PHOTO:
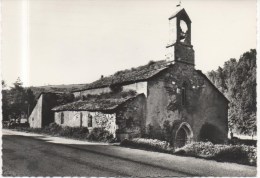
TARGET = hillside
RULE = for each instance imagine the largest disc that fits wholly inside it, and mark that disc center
(55, 88)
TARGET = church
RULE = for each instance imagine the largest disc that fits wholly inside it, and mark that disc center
(148, 98)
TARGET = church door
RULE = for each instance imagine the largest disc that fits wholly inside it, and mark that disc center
(181, 138)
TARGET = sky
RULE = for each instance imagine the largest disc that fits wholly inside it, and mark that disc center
(77, 41)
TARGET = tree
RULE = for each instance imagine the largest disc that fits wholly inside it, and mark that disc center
(17, 101)
(237, 80)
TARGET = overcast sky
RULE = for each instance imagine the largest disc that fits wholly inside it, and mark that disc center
(77, 41)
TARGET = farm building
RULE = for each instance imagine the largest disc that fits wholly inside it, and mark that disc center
(148, 98)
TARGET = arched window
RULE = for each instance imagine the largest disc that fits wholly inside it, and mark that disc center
(62, 118)
(184, 94)
(89, 120)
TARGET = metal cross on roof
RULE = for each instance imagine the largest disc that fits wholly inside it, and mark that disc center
(178, 5)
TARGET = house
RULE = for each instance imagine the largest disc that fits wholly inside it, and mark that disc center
(120, 113)
(42, 115)
(148, 98)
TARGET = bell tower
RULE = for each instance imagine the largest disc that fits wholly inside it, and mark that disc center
(179, 47)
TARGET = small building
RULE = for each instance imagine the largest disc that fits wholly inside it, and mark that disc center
(42, 115)
(121, 113)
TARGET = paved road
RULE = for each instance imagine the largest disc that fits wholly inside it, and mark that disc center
(39, 156)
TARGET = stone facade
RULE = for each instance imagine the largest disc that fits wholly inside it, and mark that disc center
(87, 119)
(130, 118)
(204, 105)
(125, 121)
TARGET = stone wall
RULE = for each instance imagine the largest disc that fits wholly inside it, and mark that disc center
(82, 118)
(131, 118)
(204, 104)
(139, 87)
(35, 119)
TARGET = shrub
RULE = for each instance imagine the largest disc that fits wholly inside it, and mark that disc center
(100, 134)
(163, 133)
(154, 133)
(242, 154)
(80, 133)
(238, 153)
(52, 129)
(149, 144)
(67, 131)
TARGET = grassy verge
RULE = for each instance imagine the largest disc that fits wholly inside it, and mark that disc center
(79, 133)
(148, 144)
(241, 154)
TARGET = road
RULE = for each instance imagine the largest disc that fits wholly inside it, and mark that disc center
(37, 155)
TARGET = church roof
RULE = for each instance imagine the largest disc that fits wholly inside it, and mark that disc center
(179, 12)
(141, 73)
(103, 102)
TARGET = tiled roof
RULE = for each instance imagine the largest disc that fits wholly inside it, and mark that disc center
(140, 73)
(103, 102)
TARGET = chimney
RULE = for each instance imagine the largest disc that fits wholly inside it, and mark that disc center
(102, 76)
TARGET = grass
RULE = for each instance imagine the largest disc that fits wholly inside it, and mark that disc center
(241, 154)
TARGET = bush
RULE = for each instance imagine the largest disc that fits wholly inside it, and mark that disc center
(149, 144)
(242, 154)
(163, 133)
(80, 132)
(100, 134)
(239, 154)
(52, 129)
(74, 132)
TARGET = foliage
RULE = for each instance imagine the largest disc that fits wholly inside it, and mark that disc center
(237, 80)
(17, 101)
(242, 154)
(149, 144)
(100, 134)
(74, 132)
(163, 133)
(54, 129)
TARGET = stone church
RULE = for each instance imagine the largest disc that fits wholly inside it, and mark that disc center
(132, 102)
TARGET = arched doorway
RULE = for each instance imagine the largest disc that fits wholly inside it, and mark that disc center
(211, 133)
(184, 135)
(181, 138)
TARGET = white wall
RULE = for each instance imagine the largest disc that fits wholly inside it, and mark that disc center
(35, 119)
(72, 119)
(139, 87)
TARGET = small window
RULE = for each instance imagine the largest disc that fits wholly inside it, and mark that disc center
(184, 94)
(62, 118)
(32, 119)
(89, 120)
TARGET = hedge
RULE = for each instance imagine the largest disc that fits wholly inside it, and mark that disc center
(241, 154)
(148, 144)
(81, 133)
